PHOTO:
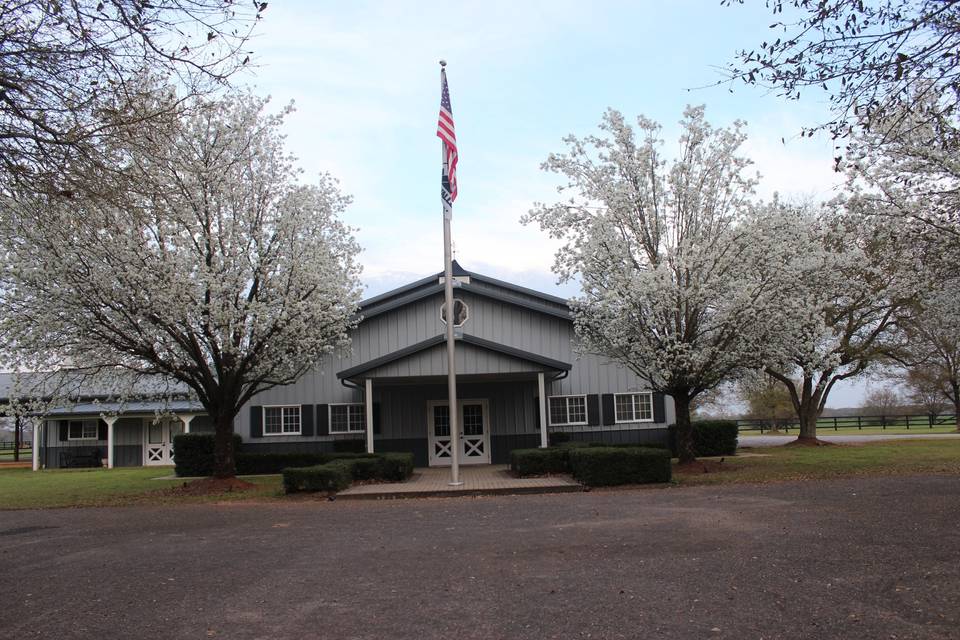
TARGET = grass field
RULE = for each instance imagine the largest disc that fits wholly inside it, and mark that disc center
(6, 455)
(777, 464)
(26, 489)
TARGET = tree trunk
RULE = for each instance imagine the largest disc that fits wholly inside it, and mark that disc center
(17, 437)
(956, 405)
(808, 425)
(224, 465)
(685, 450)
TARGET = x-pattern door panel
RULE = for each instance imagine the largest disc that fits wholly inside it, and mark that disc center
(474, 433)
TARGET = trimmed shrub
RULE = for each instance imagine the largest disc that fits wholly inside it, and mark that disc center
(338, 474)
(350, 446)
(366, 468)
(710, 438)
(264, 463)
(193, 453)
(396, 467)
(715, 437)
(608, 466)
(333, 476)
(627, 445)
(535, 462)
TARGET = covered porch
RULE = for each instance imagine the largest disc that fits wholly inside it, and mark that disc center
(114, 435)
(501, 398)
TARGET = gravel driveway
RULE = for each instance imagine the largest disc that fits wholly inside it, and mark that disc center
(862, 558)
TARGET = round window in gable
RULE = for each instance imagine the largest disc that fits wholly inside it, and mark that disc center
(460, 312)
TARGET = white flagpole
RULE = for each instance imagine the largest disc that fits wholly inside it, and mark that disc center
(454, 411)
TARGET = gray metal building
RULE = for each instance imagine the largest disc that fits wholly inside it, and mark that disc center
(519, 380)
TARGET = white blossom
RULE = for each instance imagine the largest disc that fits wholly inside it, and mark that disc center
(201, 257)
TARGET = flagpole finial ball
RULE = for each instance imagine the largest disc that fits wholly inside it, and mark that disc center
(443, 63)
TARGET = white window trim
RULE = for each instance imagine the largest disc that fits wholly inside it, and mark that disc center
(586, 411)
(83, 423)
(299, 431)
(635, 420)
(466, 315)
(330, 407)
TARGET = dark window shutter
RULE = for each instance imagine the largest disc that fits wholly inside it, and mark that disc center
(593, 410)
(536, 413)
(376, 417)
(306, 419)
(609, 415)
(101, 430)
(256, 422)
(64, 425)
(323, 420)
(659, 410)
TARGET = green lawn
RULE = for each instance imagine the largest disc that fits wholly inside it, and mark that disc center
(26, 489)
(775, 464)
(6, 455)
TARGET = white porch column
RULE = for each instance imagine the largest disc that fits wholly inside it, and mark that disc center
(368, 405)
(186, 419)
(110, 420)
(543, 410)
(35, 445)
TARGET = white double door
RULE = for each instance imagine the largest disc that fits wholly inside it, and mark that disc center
(474, 441)
(158, 440)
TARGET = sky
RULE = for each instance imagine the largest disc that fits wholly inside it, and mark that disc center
(364, 78)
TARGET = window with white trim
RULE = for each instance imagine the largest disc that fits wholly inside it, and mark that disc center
(568, 410)
(348, 418)
(281, 421)
(633, 407)
(82, 430)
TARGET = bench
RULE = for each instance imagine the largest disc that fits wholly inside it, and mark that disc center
(70, 460)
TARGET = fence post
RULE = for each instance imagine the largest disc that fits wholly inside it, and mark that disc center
(883, 423)
(859, 425)
(834, 423)
(908, 423)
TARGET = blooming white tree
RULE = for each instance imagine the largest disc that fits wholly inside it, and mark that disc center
(932, 349)
(65, 66)
(199, 257)
(855, 276)
(678, 277)
(908, 166)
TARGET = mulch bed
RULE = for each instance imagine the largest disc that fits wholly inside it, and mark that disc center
(702, 466)
(808, 442)
(210, 486)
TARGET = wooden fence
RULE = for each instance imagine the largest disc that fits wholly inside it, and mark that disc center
(909, 422)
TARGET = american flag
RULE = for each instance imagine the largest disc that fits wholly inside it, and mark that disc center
(447, 133)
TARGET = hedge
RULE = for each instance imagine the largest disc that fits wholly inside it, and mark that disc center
(338, 474)
(333, 476)
(710, 437)
(193, 453)
(607, 466)
(536, 462)
(350, 446)
(263, 463)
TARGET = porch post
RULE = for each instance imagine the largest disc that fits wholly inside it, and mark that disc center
(543, 410)
(186, 419)
(35, 445)
(368, 405)
(110, 421)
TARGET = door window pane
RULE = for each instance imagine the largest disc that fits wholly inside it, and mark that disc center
(441, 420)
(472, 420)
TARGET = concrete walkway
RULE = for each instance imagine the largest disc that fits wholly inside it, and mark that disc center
(484, 479)
(776, 441)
